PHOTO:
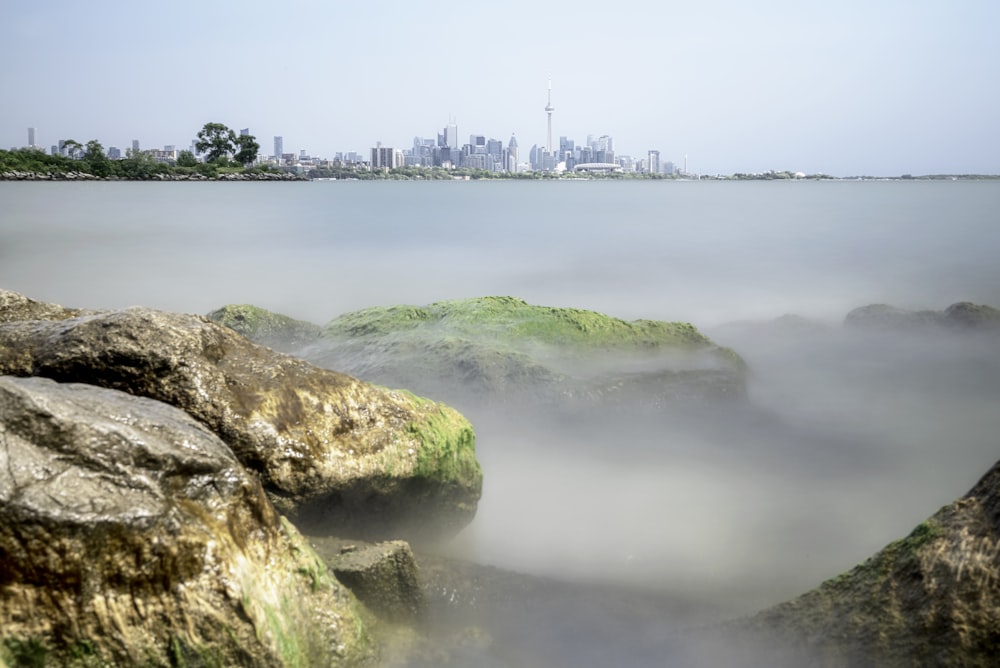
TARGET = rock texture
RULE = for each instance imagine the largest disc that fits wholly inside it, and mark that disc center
(961, 315)
(131, 535)
(930, 599)
(266, 327)
(334, 454)
(504, 349)
(383, 576)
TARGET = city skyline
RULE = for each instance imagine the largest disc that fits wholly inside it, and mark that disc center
(898, 87)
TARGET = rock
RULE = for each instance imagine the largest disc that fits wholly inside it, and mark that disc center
(383, 576)
(273, 330)
(131, 535)
(14, 306)
(932, 598)
(882, 317)
(335, 454)
(504, 349)
(966, 315)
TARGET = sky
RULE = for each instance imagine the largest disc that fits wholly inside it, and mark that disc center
(875, 87)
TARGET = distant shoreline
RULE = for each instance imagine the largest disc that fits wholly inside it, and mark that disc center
(29, 176)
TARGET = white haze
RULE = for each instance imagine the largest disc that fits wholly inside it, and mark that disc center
(848, 439)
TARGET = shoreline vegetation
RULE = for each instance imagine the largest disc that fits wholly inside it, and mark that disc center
(27, 164)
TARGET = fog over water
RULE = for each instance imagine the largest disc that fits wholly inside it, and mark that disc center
(848, 438)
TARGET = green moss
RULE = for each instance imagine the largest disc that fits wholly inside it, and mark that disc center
(512, 320)
(24, 652)
(447, 447)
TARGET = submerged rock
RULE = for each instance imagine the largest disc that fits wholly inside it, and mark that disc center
(131, 535)
(334, 454)
(961, 316)
(930, 599)
(502, 348)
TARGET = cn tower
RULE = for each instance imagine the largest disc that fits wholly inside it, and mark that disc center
(549, 109)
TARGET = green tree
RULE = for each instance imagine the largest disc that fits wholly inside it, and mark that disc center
(246, 150)
(96, 160)
(217, 141)
(186, 159)
(72, 147)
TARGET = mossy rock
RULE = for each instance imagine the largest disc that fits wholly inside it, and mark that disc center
(929, 599)
(274, 330)
(504, 348)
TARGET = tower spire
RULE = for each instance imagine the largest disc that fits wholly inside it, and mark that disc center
(549, 109)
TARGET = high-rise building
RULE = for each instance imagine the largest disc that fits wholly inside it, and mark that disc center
(135, 145)
(31, 136)
(512, 154)
(384, 157)
(451, 135)
(654, 162)
(244, 132)
(278, 148)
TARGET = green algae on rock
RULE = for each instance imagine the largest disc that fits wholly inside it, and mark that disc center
(131, 535)
(505, 348)
(335, 454)
(929, 599)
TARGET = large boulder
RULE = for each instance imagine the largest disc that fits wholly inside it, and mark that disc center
(335, 454)
(930, 599)
(504, 349)
(131, 535)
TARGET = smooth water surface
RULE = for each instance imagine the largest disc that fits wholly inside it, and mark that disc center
(847, 442)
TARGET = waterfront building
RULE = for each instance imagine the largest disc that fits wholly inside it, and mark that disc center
(278, 149)
(653, 166)
(31, 137)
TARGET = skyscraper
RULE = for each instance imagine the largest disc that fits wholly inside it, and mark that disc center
(244, 132)
(31, 136)
(512, 154)
(278, 149)
(654, 162)
(451, 135)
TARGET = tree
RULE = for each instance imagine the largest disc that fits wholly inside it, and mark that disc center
(246, 150)
(72, 147)
(217, 141)
(95, 159)
(186, 159)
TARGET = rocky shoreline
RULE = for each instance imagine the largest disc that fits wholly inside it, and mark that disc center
(156, 470)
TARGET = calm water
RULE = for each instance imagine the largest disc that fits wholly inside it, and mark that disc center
(848, 441)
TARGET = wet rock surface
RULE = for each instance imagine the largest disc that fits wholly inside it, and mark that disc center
(383, 576)
(131, 535)
(929, 599)
(335, 454)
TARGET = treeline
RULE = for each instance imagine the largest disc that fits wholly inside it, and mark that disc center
(226, 155)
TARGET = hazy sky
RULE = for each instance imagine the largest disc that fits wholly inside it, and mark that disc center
(852, 87)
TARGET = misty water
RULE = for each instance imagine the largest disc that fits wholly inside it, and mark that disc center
(847, 439)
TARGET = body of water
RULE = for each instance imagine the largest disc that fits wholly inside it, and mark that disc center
(847, 442)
